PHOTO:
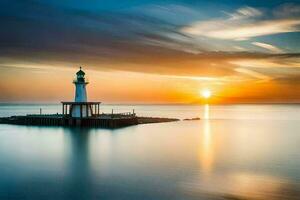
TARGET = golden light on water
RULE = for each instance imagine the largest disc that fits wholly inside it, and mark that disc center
(206, 111)
(207, 145)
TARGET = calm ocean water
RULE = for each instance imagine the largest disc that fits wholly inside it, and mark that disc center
(235, 152)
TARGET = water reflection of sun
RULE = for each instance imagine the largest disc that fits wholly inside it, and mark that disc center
(207, 146)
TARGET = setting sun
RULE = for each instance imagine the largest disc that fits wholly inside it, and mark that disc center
(206, 93)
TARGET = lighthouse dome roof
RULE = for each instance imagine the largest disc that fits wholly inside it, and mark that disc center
(80, 73)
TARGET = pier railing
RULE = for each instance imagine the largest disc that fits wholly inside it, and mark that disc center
(118, 115)
(45, 115)
(112, 115)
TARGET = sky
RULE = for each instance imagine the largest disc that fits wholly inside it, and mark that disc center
(149, 51)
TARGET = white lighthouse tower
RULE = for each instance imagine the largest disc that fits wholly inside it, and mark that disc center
(80, 107)
(80, 96)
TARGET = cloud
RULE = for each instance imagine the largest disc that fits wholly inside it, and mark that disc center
(288, 10)
(239, 48)
(254, 74)
(284, 61)
(290, 80)
(245, 12)
(278, 68)
(242, 25)
(269, 47)
(127, 41)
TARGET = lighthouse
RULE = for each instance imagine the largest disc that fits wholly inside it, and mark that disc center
(80, 96)
(81, 112)
(81, 107)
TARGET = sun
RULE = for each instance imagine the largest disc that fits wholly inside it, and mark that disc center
(206, 93)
